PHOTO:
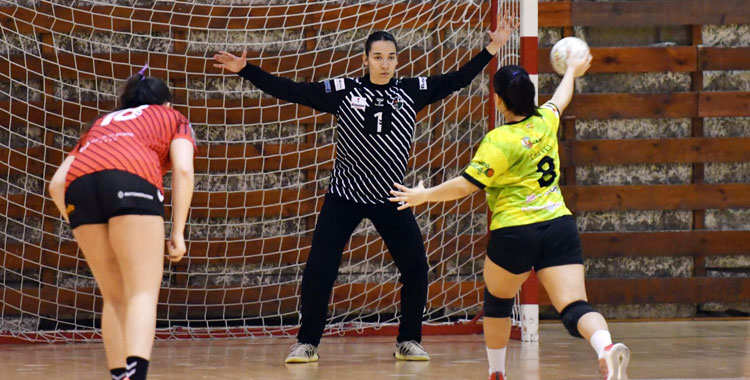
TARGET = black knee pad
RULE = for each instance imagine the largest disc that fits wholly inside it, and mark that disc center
(497, 307)
(572, 313)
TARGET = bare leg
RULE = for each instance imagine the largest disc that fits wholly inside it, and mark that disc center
(94, 242)
(138, 242)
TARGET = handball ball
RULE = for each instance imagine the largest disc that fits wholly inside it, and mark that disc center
(559, 53)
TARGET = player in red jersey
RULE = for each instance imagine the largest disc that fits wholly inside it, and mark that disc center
(110, 190)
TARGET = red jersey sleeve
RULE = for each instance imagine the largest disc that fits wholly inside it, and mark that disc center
(74, 151)
(184, 130)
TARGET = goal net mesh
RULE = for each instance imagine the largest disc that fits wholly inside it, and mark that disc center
(262, 165)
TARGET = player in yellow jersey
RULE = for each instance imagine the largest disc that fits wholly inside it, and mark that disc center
(518, 166)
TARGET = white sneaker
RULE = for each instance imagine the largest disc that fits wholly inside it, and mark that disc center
(302, 353)
(411, 351)
(614, 364)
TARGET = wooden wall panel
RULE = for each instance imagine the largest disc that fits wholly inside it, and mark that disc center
(657, 197)
(644, 291)
(724, 58)
(634, 59)
(724, 104)
(554, 14)
(657, 151)
(659, 12)
(665, 243)
(626, 105)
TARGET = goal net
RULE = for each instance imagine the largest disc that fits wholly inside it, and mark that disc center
(262, 165)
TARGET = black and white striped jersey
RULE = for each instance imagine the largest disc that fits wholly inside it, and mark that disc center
(375, 122)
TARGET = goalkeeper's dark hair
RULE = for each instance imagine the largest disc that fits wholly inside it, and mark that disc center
(513, 85)
(380, 35)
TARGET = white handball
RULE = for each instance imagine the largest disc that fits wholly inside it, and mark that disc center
(559, 53)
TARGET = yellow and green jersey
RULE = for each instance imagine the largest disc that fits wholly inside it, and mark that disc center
(518, 165)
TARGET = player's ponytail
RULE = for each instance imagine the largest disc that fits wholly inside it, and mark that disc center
(139, 90)
(513, 85)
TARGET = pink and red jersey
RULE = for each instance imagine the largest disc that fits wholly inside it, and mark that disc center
(135, 140)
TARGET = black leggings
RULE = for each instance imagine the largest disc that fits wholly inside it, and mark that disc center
(399, 230)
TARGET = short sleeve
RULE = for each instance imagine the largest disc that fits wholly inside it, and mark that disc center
(488, 164)
(551, 114)
(184, 131)
(74, 151)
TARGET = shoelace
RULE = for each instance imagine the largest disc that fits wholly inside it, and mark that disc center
(409, 346)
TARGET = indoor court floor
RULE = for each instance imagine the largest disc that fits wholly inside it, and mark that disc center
(705, 350)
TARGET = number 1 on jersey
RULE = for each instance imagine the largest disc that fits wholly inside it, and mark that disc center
(379, 116)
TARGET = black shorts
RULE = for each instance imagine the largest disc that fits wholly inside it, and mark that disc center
(518, 249)
(96, 197)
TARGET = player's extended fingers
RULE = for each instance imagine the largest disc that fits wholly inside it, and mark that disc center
(516, 22)
(401, 187)
(403, 206)
(398, 193)
(219, 65)
(227, 54)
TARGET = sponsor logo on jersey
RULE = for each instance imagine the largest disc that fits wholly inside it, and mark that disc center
(339, 84)
(422, 83)
(134, 194)
(397, 103)
(549, 207)
(327, 85)
(358, 102)
(482, 168)
(105, 139)
(379, 102)
(532, 197)
(544, 150)
(526, 141)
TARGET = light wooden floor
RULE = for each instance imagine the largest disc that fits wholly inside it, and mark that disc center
(660, 350)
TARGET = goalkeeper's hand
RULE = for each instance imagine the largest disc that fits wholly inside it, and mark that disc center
(230, 62)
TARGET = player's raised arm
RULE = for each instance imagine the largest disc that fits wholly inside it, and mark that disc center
(317, 95)
(506, 24)
(577, 66)
(438, 87)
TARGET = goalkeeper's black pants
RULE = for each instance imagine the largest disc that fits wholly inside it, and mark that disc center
(336, 223)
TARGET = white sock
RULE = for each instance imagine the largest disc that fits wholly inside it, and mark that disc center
(496, 358)
(599, 341)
